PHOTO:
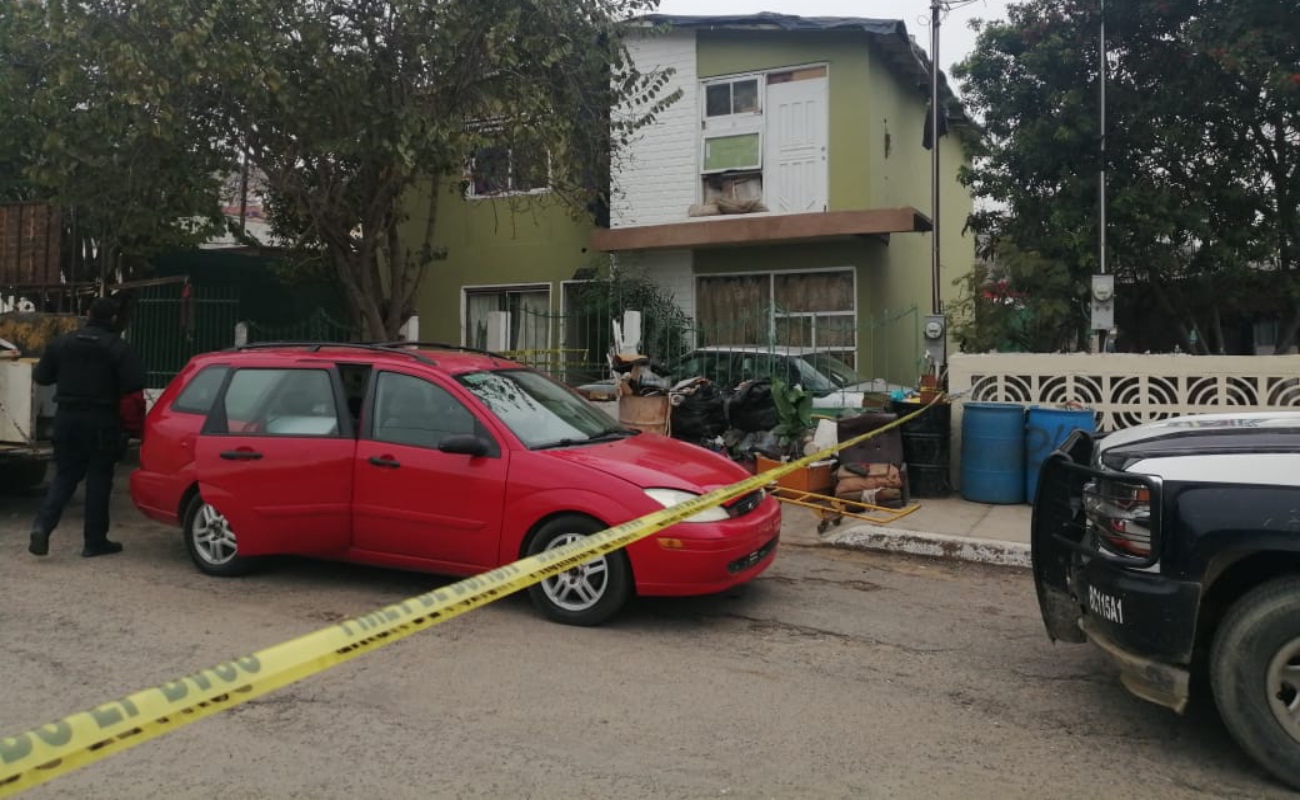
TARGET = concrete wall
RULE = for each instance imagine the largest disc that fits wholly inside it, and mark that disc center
(1125, 389)
(672, 270)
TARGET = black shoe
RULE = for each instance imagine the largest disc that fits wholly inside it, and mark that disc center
(104, 548)
(40, 543)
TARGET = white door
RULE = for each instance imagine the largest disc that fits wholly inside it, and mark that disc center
(794, 157)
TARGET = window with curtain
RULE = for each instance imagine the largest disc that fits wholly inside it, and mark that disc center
(530, 316)
(798, 309)
(733, 309)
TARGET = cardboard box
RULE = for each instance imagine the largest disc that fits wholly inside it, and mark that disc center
(817, 479)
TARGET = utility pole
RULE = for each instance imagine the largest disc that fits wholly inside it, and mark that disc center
(936, 301)
(1103, 283)
(934, 334)
(1101, 73)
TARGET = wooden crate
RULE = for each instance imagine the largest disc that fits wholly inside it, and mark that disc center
(818, 479)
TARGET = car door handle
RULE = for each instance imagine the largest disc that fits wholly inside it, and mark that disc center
(241, 455)
(382, 461)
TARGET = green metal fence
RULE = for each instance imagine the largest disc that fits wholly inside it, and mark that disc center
(173, 322)
(891, 346)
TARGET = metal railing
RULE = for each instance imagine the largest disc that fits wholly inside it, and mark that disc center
(574, 346)
(173, 322)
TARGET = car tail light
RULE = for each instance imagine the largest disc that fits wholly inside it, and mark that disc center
(1120, 513)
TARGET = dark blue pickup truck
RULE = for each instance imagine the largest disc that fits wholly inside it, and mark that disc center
(1177, 543)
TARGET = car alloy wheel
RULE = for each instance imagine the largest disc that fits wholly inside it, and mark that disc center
(211, 541)
(578, 589)
(214, 541)
(588, 594)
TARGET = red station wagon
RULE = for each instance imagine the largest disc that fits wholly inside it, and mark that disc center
(436, 459)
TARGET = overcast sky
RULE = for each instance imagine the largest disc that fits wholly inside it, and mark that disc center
(955, 39)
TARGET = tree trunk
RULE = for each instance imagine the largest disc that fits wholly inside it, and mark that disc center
(1220, 343)
(1285, 209)
(362, 305)
(1287, 329)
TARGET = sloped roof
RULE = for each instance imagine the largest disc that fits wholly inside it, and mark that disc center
(909, 60)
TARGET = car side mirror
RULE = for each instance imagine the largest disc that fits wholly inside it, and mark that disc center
(465, 444)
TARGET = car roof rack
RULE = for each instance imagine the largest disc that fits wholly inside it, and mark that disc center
(444, 346)
(316, 347)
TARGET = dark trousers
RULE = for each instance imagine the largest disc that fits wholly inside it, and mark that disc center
(87, 446)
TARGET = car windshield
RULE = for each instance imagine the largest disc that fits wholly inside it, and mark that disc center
(541, 412)
(841, 375)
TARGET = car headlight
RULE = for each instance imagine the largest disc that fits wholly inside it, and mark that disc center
(672, 497)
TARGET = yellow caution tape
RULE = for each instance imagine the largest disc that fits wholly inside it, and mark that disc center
(41, 754)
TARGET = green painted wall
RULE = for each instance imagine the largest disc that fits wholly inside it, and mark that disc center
(869, 102)
(730, 52)
(493, 241)
(876, 160)
(900, 168)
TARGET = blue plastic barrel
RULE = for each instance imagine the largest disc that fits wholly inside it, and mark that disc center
(993, 453)
(1045, 430)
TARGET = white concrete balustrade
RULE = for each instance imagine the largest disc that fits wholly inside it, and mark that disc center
(1124, 389)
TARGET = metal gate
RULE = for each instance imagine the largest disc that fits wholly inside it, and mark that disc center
(173, 322)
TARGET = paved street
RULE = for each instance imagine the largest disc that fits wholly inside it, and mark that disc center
(838, 674)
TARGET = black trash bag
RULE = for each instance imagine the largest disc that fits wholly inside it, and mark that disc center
(763, 443)
(752, 407)
(702, 414)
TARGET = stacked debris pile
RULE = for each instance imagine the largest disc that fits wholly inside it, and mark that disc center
(699, 410)
(872, 472)
(760, 417)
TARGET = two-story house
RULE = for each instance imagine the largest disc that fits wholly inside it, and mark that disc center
(781, 200)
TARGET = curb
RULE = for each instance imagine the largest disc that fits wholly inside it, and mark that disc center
(918, 543)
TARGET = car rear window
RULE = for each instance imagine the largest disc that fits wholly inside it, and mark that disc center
(201, 393)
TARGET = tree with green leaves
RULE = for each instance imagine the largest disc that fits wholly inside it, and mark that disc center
(356, 114)
(1016, 301)
(358, 111)
(1202, 149)
(101, 122)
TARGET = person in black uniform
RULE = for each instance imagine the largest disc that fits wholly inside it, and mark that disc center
(99, 383)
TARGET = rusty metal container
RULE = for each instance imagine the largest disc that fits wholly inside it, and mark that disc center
(649, 414)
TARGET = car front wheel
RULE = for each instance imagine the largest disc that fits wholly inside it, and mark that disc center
(588, 594)
(211, 541)
(1255, 674)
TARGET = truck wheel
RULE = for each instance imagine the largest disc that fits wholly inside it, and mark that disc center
(1255, 675)
(23, 475)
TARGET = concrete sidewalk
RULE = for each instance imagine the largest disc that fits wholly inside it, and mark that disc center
(949, 527)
